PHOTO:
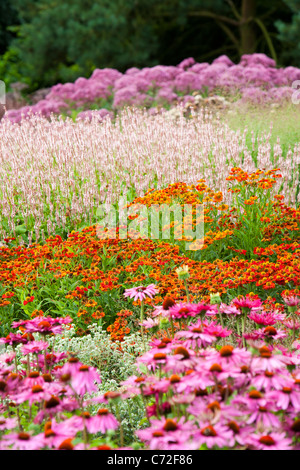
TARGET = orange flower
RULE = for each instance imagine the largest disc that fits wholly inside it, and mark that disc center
(97, 315)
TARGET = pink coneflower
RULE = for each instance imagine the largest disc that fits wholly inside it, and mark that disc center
(211, 410)
(105, 421)
(55, 433)
(201, 309)
(165, 431)
(94, 424)
(85, 379)
(240, 433)
(155, 359)
(55, 404)
(194, 337)
(181, 310)
(269, 361)
(262, 413)
(132, 385)
(141, 292)
(292, 300)
(217, 435)
(217, 371)
(229, 309)
(8, 423)
(150, 323)
(215, 329)
(34, 378)
(271, 380)
(34, 347)
(70, 367)
(269, 333)
(156, 409)
(287, 396)
(182, 359)
(266, 318)
(162, 310)
(7, 358)
(44, 326)
(271, 441)
(194, 381)
(13, 339)
(228, 355)
(24, 441)
(292, 324)
(245, 302)
(34, 394)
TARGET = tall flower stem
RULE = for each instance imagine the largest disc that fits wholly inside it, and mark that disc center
(187, 290)
(142, 327)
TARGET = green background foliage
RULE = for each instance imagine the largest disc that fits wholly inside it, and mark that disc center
(43, 42)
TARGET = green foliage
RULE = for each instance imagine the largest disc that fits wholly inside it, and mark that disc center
(61, 41)
(8, 17)
(289, 33)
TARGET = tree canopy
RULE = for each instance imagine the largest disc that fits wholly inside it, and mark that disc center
(44, 42)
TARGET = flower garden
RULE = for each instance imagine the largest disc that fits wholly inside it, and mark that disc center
(119, 340)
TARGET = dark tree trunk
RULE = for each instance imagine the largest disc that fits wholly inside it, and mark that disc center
(247, 28)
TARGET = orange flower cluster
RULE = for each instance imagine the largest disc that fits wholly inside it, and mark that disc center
(258, 179)
(274, 267)
(118, 329)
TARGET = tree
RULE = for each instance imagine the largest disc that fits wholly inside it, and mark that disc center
(289, 33)
(8, 16)
(60, 41)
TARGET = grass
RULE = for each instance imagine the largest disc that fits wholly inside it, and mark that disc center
(284, 120)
